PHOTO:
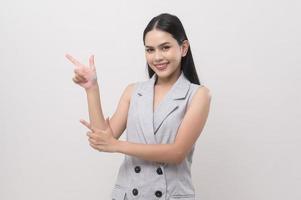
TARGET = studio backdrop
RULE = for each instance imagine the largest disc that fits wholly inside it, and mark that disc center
(246, 52)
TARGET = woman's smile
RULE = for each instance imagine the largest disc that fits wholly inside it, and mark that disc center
(161, 66)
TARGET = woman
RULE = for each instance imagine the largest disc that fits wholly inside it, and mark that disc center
(163, 117)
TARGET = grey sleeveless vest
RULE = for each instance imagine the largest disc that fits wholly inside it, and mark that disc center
(146, 180)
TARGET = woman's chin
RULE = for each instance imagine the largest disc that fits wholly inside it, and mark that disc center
(162, 73)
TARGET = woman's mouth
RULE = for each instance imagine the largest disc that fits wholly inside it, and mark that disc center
(161, 66)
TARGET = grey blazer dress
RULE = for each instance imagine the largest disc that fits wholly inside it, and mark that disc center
(146, 180)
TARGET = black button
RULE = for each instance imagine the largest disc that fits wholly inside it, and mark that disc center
(135, 192)
(159, 171)
(158, 193)
(137, 169)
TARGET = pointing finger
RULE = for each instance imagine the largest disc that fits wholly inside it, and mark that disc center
(73, 60)
(87, 124)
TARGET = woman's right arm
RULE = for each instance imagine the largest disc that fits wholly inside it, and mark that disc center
(96, 116)
(86, 77)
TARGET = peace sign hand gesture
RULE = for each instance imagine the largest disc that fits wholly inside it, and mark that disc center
(85, 76)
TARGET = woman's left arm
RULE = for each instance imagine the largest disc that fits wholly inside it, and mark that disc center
(189, 131)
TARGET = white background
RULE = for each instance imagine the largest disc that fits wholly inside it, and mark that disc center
(246, 52)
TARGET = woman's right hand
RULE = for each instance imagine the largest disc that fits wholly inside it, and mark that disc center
(85, 76)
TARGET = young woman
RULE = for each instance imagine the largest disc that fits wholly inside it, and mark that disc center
(163, 117)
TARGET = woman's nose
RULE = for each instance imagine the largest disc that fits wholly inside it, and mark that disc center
(158, 55)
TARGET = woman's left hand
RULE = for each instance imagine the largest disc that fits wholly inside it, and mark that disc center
(101, 140)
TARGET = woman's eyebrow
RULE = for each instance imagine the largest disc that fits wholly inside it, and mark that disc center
(164, 43)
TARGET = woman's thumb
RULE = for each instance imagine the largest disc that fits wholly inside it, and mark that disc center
(91, 62)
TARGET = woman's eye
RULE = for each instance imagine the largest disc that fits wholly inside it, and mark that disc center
(149, 50)
(165, 48)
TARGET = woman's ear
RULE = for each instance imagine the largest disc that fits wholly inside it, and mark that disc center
(185, 47)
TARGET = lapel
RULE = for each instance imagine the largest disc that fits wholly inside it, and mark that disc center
(151, 120)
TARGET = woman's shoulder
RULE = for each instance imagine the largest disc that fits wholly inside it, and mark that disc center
(202, 93)
(139, 85)
(130, 89)
(200, 89)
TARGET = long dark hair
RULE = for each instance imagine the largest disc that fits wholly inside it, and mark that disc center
(172, 24)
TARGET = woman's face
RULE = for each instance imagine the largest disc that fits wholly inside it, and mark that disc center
(163, 53)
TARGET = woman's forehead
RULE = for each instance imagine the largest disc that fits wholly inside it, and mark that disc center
(157, 37)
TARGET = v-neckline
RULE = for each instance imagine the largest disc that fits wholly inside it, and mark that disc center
(161, 101)
(167, 94)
